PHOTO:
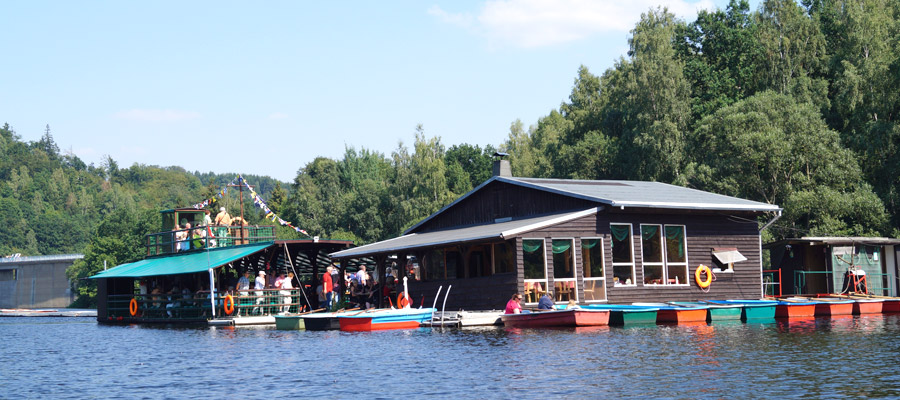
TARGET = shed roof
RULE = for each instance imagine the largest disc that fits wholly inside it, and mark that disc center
(629, 194)
(835, 241)
(498, 230)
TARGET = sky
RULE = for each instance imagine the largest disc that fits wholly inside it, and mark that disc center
(265, 87)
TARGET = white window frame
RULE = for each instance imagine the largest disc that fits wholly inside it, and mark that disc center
(574, 278)
(665, 264)
(662, 257)
(685, 263)
(602, 279)
(615, 264)
(546, 274)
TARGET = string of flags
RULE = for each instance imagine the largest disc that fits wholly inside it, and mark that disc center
(257, 201)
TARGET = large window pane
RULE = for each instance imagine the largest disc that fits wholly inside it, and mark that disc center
(623, 255)
(594, 290)
(678, 274)
(651, 243)
(563, 259)
(592, 257)
(676, 250)
(533, 259)
(621, 243)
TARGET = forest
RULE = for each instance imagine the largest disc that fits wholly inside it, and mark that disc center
(792, 104)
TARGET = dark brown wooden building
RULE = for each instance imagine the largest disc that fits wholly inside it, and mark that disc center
(588, 241)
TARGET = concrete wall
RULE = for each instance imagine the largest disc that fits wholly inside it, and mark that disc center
(36, 282)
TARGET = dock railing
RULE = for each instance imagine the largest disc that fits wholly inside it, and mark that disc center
(203, 237)
(875, 282)
(772, 282)
(197, 306)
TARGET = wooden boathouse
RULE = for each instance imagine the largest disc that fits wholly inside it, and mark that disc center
(588, 241)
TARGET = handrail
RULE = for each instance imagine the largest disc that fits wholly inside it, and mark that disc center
(874, 287)
(175, 306)
(773, 283)
(207, 237)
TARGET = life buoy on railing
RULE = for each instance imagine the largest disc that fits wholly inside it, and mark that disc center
(229, 304)
(703, 283)
(402, 301)
(133, 307)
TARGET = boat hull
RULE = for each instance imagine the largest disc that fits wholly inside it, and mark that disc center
(868, 306)
(321, 322)
(677, 316)
(828, 308)
(385, 319)
(715, 312)
(752, 309)
(795, 310)
(557, 318)
(289, 322)
(891, 306)
(625, 314)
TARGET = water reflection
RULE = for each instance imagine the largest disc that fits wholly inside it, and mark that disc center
(808, 358)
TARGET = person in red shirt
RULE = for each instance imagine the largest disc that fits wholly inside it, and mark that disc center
(327, 287)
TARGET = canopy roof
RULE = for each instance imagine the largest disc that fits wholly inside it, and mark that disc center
(494, 231)
(182, 263)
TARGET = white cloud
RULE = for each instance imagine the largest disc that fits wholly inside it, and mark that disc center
(278, 115)
(537, 23)
(150, 115)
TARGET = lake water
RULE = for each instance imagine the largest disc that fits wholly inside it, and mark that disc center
(814, 358)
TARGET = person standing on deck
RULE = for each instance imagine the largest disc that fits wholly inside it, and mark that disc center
(223, 221)
(361, 275)
(259, 284)
(327, 287)
(243, 286)
(287, 284)
(206, 220)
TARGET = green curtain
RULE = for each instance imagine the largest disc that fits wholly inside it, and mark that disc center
(530, 246)
(676, 233)
(619, 232)
(589, 243)
(561, 246)
(648, 231)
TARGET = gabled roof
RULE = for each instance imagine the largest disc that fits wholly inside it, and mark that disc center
(628, 194)
(498, 230)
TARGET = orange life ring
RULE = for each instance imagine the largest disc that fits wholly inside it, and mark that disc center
(229, 309)
(133, 307)
(402, 301)
(703, 283)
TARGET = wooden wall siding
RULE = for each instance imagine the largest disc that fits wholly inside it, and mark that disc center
(501, 200)
(703, 233)
(485, 293)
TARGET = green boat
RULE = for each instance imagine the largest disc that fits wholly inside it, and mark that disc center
(715, 312)
(627, 314)
(289, 322)
(752, 309)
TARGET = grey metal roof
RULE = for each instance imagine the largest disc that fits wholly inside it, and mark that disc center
(642, 194)
(500, 230)
(625, 194)
(836, 241)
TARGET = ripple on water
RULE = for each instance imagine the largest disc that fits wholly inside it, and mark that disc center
(817, 357)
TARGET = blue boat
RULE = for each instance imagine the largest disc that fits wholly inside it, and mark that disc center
(751, 309)
(621, 314)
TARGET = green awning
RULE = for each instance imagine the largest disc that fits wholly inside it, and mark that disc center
(181, 264)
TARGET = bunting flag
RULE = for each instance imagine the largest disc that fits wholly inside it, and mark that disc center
(257, 201)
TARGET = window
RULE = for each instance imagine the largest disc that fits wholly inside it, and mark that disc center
(652, 250)
(504, 258)
(592, 265)
(535, 263)
(676, 255)
(564, 270)
(8, 275)
(623, 254)
(664, 255)
(479, 261)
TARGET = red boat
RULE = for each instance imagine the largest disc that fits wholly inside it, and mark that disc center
(867, 306)
(570, 317)
(834, 307)
(795, 308)
(891, 306)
